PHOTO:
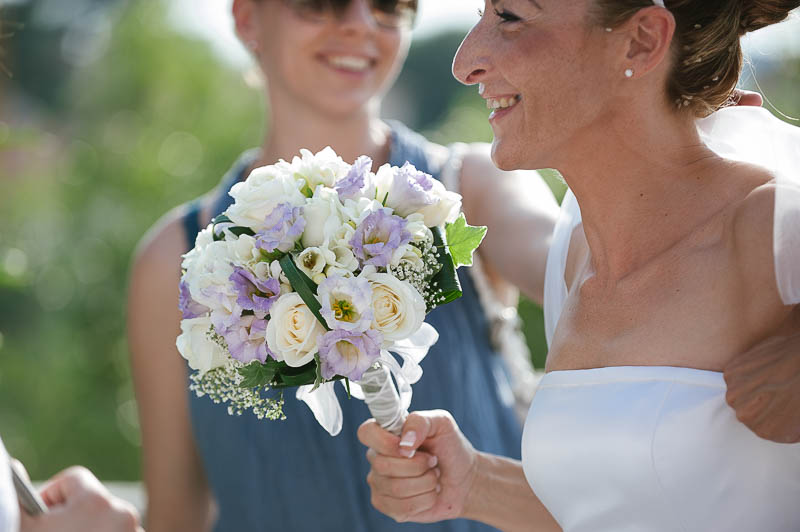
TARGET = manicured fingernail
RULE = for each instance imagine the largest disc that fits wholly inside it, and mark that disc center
(432, 461)
(438, 472)
(409, 438)
(438, 488)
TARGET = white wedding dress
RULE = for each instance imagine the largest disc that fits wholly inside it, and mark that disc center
(657, 448)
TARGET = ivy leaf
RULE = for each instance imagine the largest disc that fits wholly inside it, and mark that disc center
(256, 374)
(463, 239)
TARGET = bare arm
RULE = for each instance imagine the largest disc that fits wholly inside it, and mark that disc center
(433, 473)
(520, 211)
(178, 494)
(763, 382)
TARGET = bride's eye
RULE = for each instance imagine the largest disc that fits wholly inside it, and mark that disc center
(506, 16)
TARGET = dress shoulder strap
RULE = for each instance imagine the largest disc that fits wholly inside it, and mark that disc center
(191, 222)
(755, 136)
(555, 286)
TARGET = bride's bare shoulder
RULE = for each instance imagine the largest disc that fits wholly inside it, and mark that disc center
(751, 230)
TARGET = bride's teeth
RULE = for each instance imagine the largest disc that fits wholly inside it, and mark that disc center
(501, 103)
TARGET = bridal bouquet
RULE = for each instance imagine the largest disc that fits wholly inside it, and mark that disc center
(321, 271)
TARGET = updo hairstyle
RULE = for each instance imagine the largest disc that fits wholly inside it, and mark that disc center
(706, 47)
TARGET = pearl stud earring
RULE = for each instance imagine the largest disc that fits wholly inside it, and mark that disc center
(629, 73)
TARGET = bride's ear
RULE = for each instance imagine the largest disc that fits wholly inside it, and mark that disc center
(649, 37)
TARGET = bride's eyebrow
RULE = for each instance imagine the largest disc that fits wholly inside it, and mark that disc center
(534, 2)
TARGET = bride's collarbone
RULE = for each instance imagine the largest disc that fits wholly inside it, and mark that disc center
(674, 314)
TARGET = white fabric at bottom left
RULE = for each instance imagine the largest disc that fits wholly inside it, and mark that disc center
(9, 508)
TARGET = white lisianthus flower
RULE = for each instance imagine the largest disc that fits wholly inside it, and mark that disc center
(419, 231)
(408, 254)
(445, 210)
(293, 330)
(197, 347)
(204, 238)
(322, 168)
(355, 211)
(243, 250)
(323, 218)
(264, 190)
(331, 271)
(398, 308)
(343, 258)
(208, 277)
(346, 303)
(312, 262)
(276, 272)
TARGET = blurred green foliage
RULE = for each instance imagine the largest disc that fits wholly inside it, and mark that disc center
(105, 127)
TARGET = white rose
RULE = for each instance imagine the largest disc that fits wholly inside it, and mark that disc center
(323, 218)
(398, 309)
(208, 277)
(445, 210)
(292, 330)
(323, 168)
(255, 198)
(195, 345)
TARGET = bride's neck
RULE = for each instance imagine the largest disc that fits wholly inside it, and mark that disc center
(638, 181)
(293, 126)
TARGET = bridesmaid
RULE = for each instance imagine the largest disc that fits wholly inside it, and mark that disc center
(327, 66)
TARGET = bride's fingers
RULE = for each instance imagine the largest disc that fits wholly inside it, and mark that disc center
(404, 510)
(390, 466)
(404, 488)
(373, 436)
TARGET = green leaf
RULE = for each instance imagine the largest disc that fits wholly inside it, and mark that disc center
(235, 229)
(257, 374)
(447, 278)
(221, 219)
(463, 240)
(304, 287)
(318, 378)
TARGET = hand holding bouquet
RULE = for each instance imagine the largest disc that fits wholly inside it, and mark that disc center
(317, 273)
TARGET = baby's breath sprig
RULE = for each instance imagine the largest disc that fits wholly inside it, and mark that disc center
(222, 385)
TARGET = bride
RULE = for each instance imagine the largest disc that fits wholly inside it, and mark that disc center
(677, 248)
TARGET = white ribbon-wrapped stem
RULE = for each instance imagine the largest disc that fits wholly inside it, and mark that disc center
(382, 399)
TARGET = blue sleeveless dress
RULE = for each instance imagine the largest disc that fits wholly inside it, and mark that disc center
(292, 475)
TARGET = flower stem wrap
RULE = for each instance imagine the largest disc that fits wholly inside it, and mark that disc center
(382, 399)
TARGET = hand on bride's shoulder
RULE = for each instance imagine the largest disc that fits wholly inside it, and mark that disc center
(763, 384)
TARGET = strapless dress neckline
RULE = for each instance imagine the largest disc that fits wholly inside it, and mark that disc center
(654, 448)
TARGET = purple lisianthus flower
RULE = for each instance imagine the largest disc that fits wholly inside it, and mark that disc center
(246, 340)
(348, 353)
(346, 302)
(410, 191)
(378, 236)
(284, 226)
(189, 307)
(254, 294)
(353, 183)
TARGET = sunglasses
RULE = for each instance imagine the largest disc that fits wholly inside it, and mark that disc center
(387, 13)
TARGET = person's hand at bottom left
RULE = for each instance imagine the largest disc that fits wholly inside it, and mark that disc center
(78, 502)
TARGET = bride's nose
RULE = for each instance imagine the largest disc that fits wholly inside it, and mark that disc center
(472, 61)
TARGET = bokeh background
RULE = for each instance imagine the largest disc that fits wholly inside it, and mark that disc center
(114, 111)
